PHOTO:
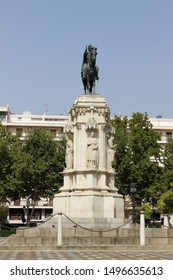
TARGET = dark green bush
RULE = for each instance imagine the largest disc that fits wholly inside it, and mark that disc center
(5, 233)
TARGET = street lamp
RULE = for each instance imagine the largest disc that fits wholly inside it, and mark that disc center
(133, 191)
(27, 211)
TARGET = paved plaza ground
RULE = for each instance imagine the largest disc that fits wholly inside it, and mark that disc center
(87, 255)
(72, 254)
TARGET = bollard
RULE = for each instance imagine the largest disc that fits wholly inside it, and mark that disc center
(59, 237)
(142, 228)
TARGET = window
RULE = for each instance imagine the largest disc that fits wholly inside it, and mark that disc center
(17, 202)
(16, 214)
(2, 117)
(36, 119)
(168, 135)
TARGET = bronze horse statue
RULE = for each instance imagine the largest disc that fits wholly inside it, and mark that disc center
(89, 71)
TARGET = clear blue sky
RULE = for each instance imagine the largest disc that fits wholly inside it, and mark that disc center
(42, 44)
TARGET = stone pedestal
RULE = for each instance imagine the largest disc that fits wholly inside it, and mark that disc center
(89, 190)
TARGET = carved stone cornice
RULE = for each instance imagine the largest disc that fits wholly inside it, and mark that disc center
(82, 110)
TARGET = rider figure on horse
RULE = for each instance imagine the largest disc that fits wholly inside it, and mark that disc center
(89, 71)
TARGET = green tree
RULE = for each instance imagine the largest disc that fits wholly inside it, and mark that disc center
(123, 164)
(147, 210)
(37, 170)
(146, 151)
(168, 164)
(138, 155)
(9, 149)
(165, 203)
(3, 213)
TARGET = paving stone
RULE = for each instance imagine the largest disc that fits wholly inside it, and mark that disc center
(87, 255)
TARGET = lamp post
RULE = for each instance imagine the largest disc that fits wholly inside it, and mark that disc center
(27, 211)
(133, 191)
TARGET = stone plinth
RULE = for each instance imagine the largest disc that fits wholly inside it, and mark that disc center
(89, 178)
(89, 205)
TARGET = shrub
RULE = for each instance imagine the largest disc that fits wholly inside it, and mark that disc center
(5, 233)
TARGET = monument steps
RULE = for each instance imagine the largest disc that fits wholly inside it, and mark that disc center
(46, 238)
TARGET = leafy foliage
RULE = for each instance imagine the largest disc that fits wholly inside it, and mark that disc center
(165, 203)
(137, 145)
(3, 213)
(5, 233)
(32, 169)
(147, 210)
(168, 164)
(37, 170)
(9, 149)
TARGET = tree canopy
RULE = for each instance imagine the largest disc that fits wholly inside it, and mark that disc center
(165, 203)
(38, 168)
(9, 149)
(138, 155)
(32, 168)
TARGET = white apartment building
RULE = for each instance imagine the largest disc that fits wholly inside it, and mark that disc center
(165, 127)
(55, 124)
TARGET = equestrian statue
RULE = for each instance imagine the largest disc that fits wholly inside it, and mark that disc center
(89, 69)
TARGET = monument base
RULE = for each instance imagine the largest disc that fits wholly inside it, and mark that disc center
(89, 205)
(89, 194)
(86, 224)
